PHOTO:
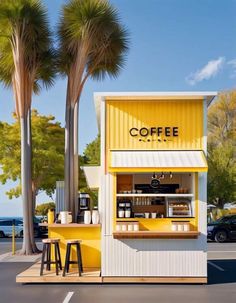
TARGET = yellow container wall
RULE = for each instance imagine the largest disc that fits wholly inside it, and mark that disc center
(90, 245)
(187, 115)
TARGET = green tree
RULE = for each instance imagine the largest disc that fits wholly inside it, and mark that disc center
(25, 64)
(92, 152)
(42, 209)
(222, 149)
(47, 154)
(92, 44)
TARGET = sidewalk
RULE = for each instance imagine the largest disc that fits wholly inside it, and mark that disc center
(8, 257)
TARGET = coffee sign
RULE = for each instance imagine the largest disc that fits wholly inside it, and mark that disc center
(154, 133)
(144, 131)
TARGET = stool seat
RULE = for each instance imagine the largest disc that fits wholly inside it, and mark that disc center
(51, 240)
(73, 241)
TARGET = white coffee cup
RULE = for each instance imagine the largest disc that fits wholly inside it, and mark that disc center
(130, 227)
(146, 215)
(136, 227)
(154, 215)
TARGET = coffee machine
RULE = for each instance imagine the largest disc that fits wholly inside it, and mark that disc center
(83, 205)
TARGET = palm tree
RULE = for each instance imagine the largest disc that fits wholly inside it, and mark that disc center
(92, 44)
(26, 61)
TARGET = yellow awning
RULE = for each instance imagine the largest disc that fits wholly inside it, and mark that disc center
(149, 161)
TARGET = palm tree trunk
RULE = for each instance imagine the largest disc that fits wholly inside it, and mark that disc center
(27, 246)
(76, 160)
(69, 160)
(32, 189)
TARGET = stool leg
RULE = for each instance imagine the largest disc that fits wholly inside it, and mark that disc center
(81, 263)
(78, 258)
(48, 256)
(66, 261)
(56, 258)
(42, 260)
(59, 255)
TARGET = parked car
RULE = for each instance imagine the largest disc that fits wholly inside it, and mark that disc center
(6, 228)
(223, 229)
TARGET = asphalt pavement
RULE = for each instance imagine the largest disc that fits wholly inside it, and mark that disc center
(221, 288)
(221, 285)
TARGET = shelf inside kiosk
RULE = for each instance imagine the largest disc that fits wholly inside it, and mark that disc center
(141, 207)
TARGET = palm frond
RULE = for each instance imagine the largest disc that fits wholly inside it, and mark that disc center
(94, 27)
(26, 19)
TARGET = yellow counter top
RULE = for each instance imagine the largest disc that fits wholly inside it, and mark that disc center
(59, 225)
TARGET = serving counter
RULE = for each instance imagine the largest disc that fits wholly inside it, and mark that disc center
(89, 234)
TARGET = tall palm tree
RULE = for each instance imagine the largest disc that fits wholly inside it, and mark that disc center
(92, 43)
(26, 63)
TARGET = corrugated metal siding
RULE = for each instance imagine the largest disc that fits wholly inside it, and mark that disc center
(60, 198)
(121, 116)
(107, 204)
(153, 258)
(159, 159)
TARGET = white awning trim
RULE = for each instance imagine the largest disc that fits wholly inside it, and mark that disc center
(159, 159)
(92, 175)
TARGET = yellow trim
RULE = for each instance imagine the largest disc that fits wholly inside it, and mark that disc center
(196, 200)
(161, 224)
(114, 176)
(157, 169)
(152, 98)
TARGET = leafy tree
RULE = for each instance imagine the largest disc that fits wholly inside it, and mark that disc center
(221, 119)
(42, 209)
(92, 44)
(26, 61)
(221, 149)
(221, 177)
(92, 152)
(47, 154)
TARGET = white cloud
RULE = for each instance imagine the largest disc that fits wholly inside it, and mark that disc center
(232, 63)
(208, 71)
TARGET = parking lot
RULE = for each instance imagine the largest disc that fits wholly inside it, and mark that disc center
(221, 285)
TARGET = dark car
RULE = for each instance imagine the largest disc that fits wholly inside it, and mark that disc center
(223, 229)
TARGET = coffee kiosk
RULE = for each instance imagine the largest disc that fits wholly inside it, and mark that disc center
(153, 158)
(152, 185)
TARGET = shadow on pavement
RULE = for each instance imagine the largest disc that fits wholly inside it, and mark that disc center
(224, 271)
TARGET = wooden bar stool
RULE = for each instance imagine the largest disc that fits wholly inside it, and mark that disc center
(47, 244)
(76, 243)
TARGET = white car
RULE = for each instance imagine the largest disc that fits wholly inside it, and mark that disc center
(6, 228)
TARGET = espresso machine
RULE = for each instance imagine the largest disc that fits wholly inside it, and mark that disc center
(83, 205)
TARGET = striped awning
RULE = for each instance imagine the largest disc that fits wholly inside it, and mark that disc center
(191, 161)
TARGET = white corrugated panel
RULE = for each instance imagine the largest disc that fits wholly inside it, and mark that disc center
(92, 175)
(60, 198)
(159, 159)
(156, 257)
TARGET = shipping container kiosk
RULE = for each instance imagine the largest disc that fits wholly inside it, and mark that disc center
(152, 185)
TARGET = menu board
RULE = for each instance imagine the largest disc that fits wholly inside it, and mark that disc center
(160, 189)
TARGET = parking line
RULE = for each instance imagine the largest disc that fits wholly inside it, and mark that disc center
(68, 297)
(216, 266)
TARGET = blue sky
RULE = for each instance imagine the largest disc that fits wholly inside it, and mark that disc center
(176, 45)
